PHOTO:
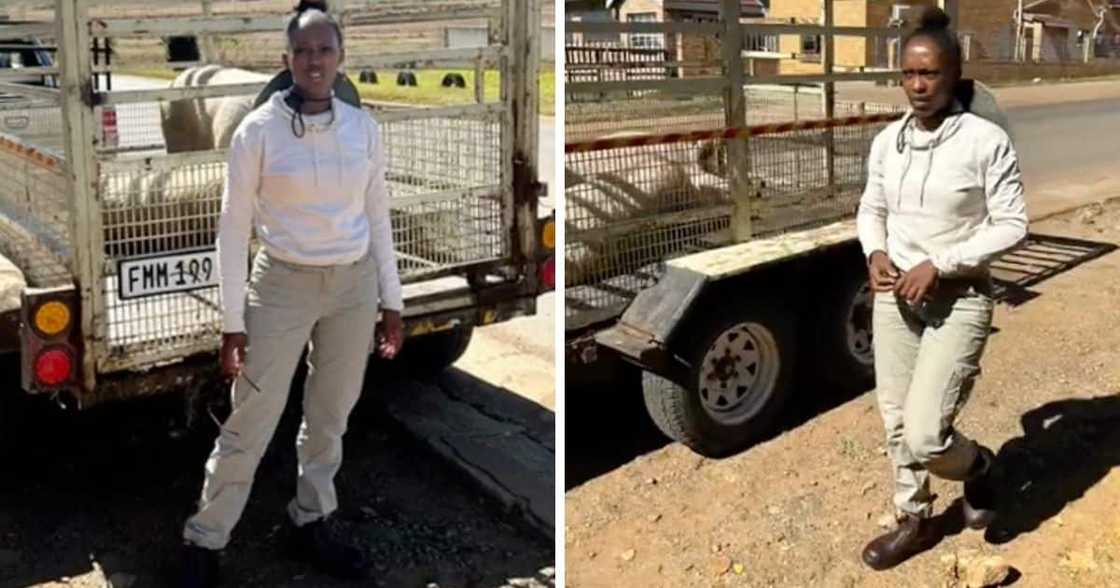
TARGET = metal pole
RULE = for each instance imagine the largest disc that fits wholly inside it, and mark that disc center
(829, 96)
(75, 63)
(735, 115)
(1019, 32)
(520, 84)
(207, 45)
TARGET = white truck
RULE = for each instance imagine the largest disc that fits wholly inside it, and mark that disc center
(107, 264)
(717, 255)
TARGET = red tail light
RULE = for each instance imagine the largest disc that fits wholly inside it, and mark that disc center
(53, 366)
(109, 136)
(50, 340)
(548, 273)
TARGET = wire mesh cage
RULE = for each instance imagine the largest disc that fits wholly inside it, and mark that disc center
(632, 208)
(152, 211)
(34, 213)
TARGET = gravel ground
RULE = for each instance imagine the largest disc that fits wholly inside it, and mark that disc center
(796, 510)
(104, 494)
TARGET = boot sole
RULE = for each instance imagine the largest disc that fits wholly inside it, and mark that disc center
(978, 519)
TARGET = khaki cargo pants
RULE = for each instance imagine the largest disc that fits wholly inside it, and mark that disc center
(924, 371)
(287, 305)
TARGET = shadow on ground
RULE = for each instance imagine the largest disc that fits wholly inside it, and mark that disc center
(1066, 448)
(112, 487)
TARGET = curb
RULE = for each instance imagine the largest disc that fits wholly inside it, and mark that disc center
(1072, 207)
(488, 434)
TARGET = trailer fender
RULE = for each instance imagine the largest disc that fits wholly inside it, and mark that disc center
(643, 333)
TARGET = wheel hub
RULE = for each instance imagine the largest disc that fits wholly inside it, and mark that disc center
(739, 372)
(858, 327)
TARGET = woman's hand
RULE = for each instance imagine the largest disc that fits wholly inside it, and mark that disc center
(881, 272)
(917, 284)
(390, 334)
(232, 355)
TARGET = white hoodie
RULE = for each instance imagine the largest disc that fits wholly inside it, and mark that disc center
(953, 195)
(316, 200)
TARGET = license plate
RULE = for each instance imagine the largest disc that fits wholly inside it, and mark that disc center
(146, 276)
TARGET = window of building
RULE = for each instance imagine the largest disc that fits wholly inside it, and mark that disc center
(811, 47)
(645, 40)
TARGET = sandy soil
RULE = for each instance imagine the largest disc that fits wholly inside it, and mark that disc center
(796, 510)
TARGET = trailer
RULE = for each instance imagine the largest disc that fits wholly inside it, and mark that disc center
(708, 241)
(107, 240)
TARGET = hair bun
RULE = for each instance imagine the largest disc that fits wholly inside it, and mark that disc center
(305, 5)
(933, 18)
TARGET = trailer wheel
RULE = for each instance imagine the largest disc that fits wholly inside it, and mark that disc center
(435, 352)
(847, 337)
(741, 376)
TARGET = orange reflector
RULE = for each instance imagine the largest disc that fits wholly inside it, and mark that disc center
(548, 235)
(548, 273)
(52, 318)
(53, 367)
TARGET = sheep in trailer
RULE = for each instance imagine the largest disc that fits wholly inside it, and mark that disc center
(202, 124)
(618, 210)
(160, 211)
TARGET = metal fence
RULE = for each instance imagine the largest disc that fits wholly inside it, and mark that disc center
(445, 180)
(590, 120)
(631, 208)
(34, 212)
(149, 208)
(34, 121)
(446, 186)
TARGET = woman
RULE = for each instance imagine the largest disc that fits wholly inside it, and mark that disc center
(944, 197)
(344, 89)
(307, 172)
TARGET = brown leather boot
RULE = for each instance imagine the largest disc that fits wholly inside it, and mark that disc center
(980, 492)
(912, 536)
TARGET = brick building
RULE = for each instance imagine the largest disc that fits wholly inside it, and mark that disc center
(1053, 30)
(691, 49)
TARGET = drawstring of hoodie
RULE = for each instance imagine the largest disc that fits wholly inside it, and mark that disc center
(925, 178)
(905, 138)
(902, 178)
(295, 101)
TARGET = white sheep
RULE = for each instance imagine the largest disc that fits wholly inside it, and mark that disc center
(179, 206)
(638, 194)
(200, 124)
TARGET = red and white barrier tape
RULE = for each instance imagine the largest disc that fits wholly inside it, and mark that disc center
(733, 133)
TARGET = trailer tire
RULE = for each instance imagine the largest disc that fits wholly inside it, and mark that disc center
(435, 352)
(846, 340)
(702, 417)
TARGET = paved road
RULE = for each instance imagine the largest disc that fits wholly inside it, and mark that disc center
(1064, 132)
(1068, 152)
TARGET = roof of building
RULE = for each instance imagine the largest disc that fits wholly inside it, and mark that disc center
(1049, 20)
(750, 8)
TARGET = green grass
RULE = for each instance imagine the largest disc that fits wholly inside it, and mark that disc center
(160, 73)
(428, 91)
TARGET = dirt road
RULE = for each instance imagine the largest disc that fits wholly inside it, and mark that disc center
(103, 495)
(796, 510)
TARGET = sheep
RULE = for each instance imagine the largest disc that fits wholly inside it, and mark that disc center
(661, 185)
(180, 206)
(200, 124)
